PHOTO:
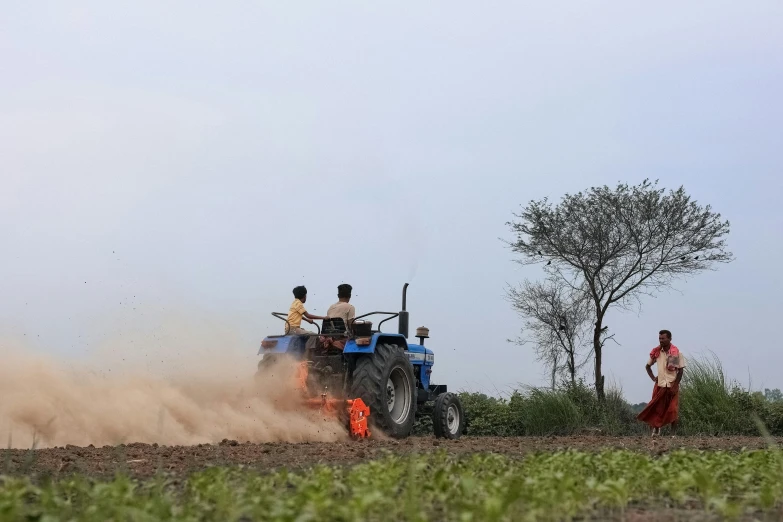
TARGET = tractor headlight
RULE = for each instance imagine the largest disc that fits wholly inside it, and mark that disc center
(430, 358)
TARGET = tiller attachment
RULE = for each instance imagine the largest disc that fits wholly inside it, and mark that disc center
(352, 411)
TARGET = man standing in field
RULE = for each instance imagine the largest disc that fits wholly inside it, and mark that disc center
(664, 407)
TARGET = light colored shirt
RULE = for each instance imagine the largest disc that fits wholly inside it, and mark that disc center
(344, 310)
(667, 377)
(295, 314)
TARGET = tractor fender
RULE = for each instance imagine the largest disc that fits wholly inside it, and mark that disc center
(377, 338)
(275, 344)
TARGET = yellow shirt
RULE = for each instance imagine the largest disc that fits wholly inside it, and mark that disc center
(295, 314)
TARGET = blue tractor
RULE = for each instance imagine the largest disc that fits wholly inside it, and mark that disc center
(391, 376)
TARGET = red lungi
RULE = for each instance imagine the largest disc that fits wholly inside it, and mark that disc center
(664, 407)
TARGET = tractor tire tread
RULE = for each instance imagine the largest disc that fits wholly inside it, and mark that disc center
(367, 384)
(440, 416)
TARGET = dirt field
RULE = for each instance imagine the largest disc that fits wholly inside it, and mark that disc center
(143, 460)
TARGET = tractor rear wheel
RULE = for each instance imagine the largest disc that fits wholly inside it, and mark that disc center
(270, 365)
(384, 381)
(448, 416)
(266, 362)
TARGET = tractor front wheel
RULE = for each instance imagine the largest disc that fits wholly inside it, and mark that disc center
(384, 381)
(448, 416)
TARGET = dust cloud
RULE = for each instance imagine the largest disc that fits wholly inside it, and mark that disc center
(202, 399)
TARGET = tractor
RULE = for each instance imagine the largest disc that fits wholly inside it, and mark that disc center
(367, 377)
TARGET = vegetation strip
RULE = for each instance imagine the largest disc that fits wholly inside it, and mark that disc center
(710, 404)
(435, 486)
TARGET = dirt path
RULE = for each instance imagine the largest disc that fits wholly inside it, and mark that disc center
(143, 460)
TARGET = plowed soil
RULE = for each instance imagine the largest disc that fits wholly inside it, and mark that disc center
(144, 460)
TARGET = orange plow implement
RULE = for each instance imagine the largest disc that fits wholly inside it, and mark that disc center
(354, 411)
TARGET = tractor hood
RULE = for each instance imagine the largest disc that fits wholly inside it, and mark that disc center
(421, 354)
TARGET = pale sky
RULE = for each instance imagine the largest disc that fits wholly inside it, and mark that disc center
(202, 159)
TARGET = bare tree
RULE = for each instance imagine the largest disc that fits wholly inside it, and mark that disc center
(557, 321)
(616, 245)
(550, 356)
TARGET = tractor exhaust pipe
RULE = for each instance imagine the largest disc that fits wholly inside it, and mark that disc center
(403, 316)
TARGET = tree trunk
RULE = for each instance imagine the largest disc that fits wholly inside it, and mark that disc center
(572, 369)
(599, 379)
(554, 376)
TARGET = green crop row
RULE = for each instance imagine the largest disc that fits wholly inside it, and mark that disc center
(436, 486)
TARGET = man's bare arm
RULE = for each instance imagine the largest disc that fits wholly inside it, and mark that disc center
(648, 367)
(679, 376)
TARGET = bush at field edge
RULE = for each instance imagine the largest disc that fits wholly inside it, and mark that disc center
(710, 404)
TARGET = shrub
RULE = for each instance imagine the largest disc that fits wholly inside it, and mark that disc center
(617, 416)
(551, 412)
(706, 404)
(773, 417)
(493, 416)
(710, 404)
(569, 409)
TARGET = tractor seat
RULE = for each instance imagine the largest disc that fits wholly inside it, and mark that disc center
(333, 325)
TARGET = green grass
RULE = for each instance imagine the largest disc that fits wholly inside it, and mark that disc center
(710, 404)
(553, 486)
(569, 410)
(713, 404)
(707, 405)
(548, 412)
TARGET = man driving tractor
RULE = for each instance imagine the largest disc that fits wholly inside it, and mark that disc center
(342, 309)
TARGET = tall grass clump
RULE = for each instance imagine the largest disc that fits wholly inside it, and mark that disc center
(575, 408)
(551, 412)
(617, 415)
(712, 404)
